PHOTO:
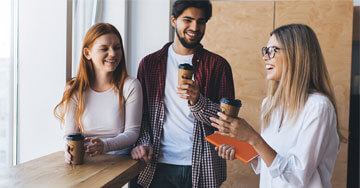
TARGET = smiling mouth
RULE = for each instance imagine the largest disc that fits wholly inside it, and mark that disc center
(269, 67)
(192, 35)
(111, 61)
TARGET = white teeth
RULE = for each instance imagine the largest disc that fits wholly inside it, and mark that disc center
(191, 34)
(110, 61)
(268, 67)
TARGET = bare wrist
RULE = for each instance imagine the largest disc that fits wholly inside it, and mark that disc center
(255, 139)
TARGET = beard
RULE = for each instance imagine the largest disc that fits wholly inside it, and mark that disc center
(188, 45)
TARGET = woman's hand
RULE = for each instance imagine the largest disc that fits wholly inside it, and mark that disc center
(236, 128)
(226, 152)
(241, 130)
(95, 147)
(67, 155)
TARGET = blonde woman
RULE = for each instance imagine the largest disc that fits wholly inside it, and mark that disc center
(102, 102)
(299, 137)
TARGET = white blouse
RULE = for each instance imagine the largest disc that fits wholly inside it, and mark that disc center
(102, 118)
(306, 149)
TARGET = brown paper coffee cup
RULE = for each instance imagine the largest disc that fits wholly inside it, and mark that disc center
(230, 107)
(186, 71)
(76, 148)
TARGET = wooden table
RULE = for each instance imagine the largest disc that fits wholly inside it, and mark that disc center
(52, 171)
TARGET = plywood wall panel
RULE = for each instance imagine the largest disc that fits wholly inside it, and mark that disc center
(332, 21)
(237, 31)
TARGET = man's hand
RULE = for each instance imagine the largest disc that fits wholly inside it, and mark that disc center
(189, 91)
(143, 153)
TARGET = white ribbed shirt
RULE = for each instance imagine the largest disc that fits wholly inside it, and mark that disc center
(306, 150)
(102, 117)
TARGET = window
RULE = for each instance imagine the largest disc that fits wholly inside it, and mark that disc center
(5, 38)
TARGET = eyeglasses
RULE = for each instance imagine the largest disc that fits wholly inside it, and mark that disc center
(270, 51)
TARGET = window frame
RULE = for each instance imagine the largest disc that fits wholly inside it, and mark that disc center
(13, 95)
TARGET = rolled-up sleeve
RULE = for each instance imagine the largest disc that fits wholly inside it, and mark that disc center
(257, 167)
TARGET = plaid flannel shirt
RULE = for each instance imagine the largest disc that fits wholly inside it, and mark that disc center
(213, 75)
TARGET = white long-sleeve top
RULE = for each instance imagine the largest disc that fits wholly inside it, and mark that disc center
(102, 118)
(306, 149)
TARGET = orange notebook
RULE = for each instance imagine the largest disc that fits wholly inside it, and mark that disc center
(243, 151)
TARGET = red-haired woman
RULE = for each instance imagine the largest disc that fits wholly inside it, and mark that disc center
(102, 102)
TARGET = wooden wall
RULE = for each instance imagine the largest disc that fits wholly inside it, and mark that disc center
(239, 29)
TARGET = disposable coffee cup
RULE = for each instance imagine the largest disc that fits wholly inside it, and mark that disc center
(186, 71)
(76, 148)
(230, 107)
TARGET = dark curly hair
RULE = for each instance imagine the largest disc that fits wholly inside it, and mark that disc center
(180, 5)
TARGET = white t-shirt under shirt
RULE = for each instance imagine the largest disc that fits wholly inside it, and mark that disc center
(177, 135)
(306, 150)
(102, 118)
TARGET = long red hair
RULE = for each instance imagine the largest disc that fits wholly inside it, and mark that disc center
(86, 76)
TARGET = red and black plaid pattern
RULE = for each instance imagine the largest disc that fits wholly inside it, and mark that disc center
(214, 77)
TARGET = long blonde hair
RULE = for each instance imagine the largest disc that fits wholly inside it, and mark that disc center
(86, 76)
(304, 72)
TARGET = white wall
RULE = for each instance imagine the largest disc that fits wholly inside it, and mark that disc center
(113, 12)
(147, 29)
(42, 29)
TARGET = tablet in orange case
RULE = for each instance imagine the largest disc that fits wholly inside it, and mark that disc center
(243, 151)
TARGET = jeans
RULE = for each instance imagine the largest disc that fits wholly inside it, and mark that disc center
(167, 175)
